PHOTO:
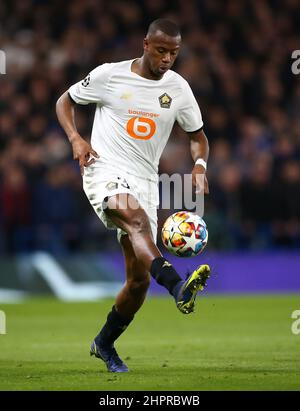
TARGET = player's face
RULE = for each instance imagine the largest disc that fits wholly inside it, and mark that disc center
(160, 51)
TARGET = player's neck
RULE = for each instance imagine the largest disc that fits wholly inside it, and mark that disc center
(140, 67)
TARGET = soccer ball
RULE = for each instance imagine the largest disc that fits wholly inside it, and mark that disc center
(184, 234)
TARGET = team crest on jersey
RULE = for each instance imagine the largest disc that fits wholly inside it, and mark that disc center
(86, 81)
(165, 100)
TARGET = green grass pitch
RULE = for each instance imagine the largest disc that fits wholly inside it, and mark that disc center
(230, 343)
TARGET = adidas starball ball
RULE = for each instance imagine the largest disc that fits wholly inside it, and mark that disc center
(184, 234)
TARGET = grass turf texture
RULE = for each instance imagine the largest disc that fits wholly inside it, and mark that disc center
(230, 343)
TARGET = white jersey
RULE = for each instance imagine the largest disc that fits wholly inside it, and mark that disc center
(134, 115)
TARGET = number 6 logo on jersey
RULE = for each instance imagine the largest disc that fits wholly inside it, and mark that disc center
(141, 128)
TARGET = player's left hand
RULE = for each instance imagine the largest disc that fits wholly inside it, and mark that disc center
(199, 179)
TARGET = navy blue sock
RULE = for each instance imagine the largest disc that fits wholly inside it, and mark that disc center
(112, 329)
(165, 274)
(177, 288)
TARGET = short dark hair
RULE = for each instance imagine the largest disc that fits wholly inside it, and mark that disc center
(164, 25)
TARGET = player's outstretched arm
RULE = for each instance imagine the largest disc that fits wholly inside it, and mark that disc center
(82, 150)
(199, 151)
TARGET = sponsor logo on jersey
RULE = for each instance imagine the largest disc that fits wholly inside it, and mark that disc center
(141, 128)
(142, 113)
(165, 101)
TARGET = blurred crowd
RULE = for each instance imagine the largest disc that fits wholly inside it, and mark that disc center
(236, 55)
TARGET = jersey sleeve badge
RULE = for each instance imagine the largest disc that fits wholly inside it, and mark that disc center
(86, 81)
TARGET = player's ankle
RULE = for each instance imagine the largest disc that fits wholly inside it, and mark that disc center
(113, 328)
(101, 343)
(177, 287)
(164, 273)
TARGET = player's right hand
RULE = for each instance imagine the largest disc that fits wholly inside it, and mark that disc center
(83, 152)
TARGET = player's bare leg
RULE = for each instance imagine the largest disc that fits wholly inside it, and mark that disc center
(133, 294)
(128, 302)
(125, 212)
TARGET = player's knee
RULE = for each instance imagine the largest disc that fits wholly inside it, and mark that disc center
(139, 224)
(140, 285)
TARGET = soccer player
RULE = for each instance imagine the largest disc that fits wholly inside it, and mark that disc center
(138, 102)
